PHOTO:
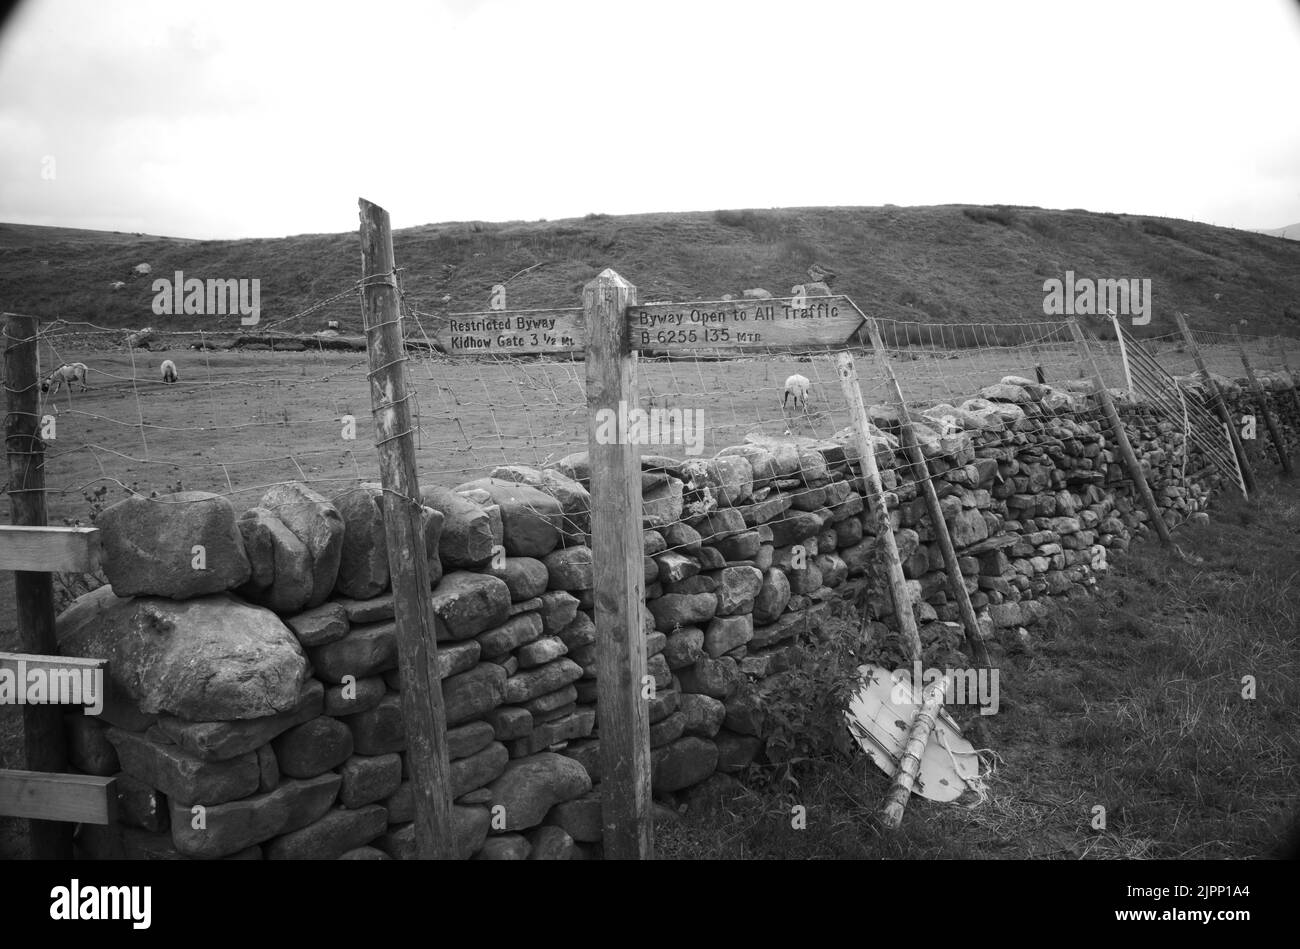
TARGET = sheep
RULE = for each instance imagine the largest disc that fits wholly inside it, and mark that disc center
(76, 372)
(169, 371)
(796, 386)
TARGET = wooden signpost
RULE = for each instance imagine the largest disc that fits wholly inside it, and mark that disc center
(619, 580)
(794, 323)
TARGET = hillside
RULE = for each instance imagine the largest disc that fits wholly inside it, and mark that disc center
(944, 264)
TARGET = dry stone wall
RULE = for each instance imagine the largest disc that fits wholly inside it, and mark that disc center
(255, 709)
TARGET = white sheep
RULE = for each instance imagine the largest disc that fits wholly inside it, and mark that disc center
(76, 372)
(796, 386)
(169, 371)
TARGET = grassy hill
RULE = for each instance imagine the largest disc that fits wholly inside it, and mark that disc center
(948, 264)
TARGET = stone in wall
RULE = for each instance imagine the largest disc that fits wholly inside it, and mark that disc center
(317, 524)
(213, 658)
(149, 546)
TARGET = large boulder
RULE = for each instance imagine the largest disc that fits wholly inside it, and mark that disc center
(214, 658)
(149, 546)
(315, 522)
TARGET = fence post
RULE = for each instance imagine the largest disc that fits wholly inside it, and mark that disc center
(34, 591)
(1123, 355)
(618, 575)
(1121, 438)
(1262, 399)
(1220, 405)
(417, 652)
(956, 583)
(876, 505)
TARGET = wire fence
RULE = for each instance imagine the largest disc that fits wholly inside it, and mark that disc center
(251, 411)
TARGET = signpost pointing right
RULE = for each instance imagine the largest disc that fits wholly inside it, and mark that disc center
(794, 323)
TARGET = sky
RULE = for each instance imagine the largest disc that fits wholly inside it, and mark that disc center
(233, 119)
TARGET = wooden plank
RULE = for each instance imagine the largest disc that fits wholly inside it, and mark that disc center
(1273, 432)
(423, 714)
(55, 549)
(877, 509)
(68, 798)
(512, 332)
(619, 586)
(43, 737)
(975, 647)
(1221, 407)
(782, 322)
(1131, 462)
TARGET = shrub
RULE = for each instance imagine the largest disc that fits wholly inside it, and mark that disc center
(994, 215)
(1159, 229)
(804, 706)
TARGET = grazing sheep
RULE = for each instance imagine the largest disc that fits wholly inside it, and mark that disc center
(169, 371)
(76, 372)
(796, 386)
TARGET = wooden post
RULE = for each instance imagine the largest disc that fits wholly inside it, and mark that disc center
(909, 763)
(1121, 437)
(921, 471)
(619, 575)
(876, 505)
(34, 591)
(417, 651)
(1220, 406)
(1123, 354)
(1273, 431)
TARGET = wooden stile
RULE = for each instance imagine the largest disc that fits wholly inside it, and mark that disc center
(1131, 462)
(876, 505)
(619, 577)
(1273, 432)
(421, 695)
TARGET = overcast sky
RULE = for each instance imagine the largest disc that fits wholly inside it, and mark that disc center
(266, 118)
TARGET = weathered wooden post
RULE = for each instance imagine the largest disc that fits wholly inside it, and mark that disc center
(34, 591)
(1220, 406)
(1123, 354)
(417, 650)
(1273, 432)
(1131, 462)
(909, 762)
(619, 575)
(975, 647)
(876, 505)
